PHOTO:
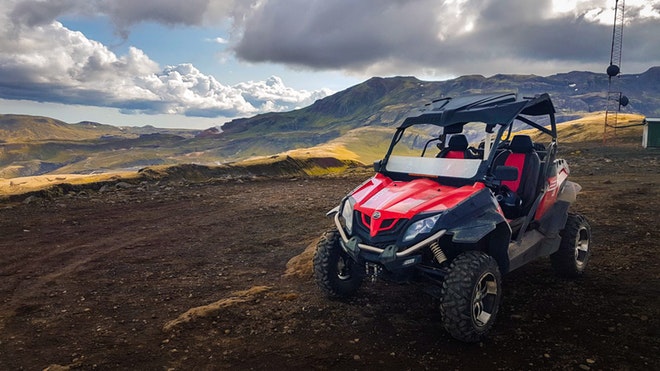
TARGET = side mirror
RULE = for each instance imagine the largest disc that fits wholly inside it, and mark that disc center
(506, 173)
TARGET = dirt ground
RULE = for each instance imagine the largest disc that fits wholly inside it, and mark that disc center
(180, 275)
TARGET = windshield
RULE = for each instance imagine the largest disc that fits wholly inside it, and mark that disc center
(430, 150)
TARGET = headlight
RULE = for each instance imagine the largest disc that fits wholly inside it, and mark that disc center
(347, 213)
(420, 227)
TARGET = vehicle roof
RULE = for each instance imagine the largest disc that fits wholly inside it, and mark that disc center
(498, 109)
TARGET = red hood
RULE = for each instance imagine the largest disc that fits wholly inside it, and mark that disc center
(403, 200)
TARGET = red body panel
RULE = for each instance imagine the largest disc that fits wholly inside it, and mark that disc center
(554, 185)
(404, 200)
(549, 198)
(455, 154)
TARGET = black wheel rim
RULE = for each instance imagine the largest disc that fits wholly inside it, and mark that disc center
(343, 268)
(581, 248)
(484, 299)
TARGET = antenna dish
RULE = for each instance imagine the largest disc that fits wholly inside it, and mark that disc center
(613, 70)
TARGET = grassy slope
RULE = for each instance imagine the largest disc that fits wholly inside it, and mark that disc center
(25, 128)
(34, 183)
(591, 128)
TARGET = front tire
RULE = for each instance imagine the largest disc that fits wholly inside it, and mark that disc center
(336, 273)
(570, 261)
(470, 296)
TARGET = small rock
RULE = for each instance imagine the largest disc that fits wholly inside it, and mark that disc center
(356, 357)
(56, 367)
(31, 199)
(584, 367)
(591, 361)
(123, 185)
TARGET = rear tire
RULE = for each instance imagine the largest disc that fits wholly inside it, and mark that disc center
(570, 261)
(336, 273)
(470, 296)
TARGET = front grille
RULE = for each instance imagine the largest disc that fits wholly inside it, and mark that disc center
(390, 230)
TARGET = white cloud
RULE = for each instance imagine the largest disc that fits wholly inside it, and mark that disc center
(602, 12)
(42, 60)
(183, 89)
(50, 63)
(273, 95)
(219, 40)
(449, 37)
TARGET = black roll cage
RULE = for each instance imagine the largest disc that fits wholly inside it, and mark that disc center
(495, 110)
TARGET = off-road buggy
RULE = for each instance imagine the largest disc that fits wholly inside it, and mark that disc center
(458, 216)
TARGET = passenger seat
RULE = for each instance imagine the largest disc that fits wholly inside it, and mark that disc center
(456, 148)
(521, 155)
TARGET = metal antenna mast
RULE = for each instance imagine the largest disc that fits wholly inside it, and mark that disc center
(615, 99)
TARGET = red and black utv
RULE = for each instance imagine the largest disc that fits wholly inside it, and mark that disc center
(458, 200)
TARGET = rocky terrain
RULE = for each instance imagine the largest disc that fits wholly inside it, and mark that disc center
(215, 274)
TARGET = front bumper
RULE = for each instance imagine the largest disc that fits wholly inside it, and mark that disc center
(390, 257)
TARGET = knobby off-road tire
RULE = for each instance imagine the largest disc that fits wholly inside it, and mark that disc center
(570, 261)
(336, 273)
(470, 296)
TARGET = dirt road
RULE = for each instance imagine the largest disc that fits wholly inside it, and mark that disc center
(179, 275)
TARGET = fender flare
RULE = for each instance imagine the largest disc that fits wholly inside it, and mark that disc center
(492, 226)
(481, 218)
(477, 228)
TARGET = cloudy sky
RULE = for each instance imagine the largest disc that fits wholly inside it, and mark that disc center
(199, 63)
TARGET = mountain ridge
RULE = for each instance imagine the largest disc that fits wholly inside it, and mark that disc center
(385, 102)
(21, 128)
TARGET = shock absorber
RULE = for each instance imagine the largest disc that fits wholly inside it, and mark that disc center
(437, 252)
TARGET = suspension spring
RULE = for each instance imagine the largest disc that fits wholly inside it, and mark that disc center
(438, 253)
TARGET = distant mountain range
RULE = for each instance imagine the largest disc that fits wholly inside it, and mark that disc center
(31, 145)
(386, 101)
(25, 128)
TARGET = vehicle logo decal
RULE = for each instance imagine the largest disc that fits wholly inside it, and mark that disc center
(376, 215)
